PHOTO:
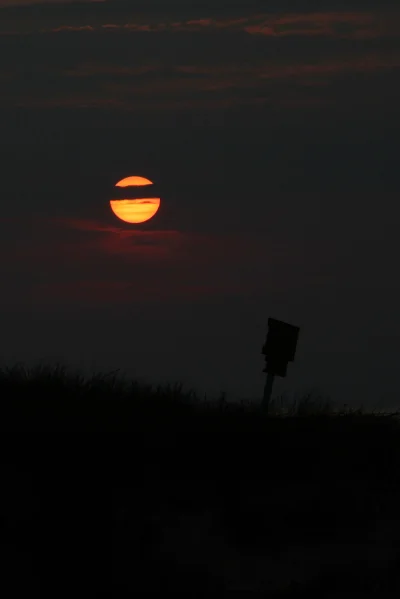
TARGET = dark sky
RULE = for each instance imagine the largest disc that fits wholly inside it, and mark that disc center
(272, 133)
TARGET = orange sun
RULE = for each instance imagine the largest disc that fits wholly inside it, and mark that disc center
(137, 210)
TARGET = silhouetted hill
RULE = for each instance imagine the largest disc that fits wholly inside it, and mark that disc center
(112, 488)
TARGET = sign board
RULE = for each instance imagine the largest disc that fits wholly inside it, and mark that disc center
(280, 346)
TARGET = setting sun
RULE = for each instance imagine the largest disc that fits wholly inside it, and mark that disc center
(135, 210)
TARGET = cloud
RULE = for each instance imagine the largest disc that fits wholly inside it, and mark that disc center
(154, 88)
(214, 56)
(73, 28)
(279, 20)
(106, 292)
(341, 26)
(344, 25)
(216, 62)
(91, 263)
(16, 3)
(107, 56)
(149, 244)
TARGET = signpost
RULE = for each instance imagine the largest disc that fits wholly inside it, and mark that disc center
(279, 349)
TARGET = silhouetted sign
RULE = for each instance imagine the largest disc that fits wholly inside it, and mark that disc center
(280, 346)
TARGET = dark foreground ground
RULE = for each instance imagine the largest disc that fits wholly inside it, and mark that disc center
(110, 493)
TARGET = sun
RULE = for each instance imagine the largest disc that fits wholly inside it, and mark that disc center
(135, 210)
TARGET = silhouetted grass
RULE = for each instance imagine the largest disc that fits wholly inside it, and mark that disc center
(54, 397)
(184, 493)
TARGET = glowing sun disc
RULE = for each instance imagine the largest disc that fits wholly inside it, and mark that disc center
(135, 211)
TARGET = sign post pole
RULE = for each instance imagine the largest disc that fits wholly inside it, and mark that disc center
(267, 391)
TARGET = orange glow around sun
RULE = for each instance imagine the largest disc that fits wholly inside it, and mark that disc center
(137, 210)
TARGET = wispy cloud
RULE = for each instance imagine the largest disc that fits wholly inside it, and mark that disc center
(108, 57)
(14, 3)
(156, 87)
(95, 263)
(114, 292)
(345, 25)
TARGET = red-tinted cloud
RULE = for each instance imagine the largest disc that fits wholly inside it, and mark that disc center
(348, 24)
(79, 262)
(192, 87)
(345, 25)
(15, 3)
(328, 24)
(110, 59)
